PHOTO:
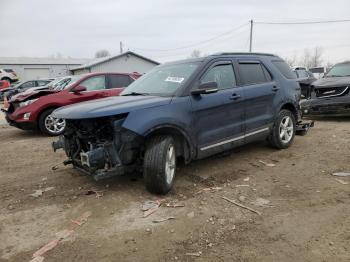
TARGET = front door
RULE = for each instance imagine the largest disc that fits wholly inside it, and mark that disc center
(95, 88)
(218, 117)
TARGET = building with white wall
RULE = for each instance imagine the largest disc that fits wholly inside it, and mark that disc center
(127, 62)
(28, 68)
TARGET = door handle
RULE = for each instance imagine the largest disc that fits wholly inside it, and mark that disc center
(275, 88)
(235, 97)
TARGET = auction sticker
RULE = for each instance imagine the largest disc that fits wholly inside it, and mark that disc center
(174, 79)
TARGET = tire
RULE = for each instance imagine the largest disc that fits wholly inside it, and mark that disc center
(283, 134)
(159, 166)
(44, 124)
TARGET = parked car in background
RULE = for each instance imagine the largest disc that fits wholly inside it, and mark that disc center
(8, 75)
(305, 79)
(22, 86)
(189, 109)
(331, 93)
(33, 109)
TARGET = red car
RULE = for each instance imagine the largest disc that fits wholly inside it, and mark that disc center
(32, 109)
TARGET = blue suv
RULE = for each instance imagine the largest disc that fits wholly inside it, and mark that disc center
(187, 110)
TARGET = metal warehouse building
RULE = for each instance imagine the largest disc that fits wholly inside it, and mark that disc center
(35, 68)
(124, 63)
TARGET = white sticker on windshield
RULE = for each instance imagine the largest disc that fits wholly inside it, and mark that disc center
(174, 79)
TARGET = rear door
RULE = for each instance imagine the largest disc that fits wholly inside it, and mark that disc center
(260, 90)
(218, 117)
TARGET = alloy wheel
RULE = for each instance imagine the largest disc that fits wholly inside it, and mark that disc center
(286, 129)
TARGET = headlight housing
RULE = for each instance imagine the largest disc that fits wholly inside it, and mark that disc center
(28, 102)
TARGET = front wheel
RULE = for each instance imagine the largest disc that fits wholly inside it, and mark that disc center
(51, 125)
(283, 131)
(159, 166)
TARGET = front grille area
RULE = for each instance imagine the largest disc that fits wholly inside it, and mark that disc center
(12, 108)
(332, 91)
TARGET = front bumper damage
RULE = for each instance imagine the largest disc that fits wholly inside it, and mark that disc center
(100, 149)
(326, 106)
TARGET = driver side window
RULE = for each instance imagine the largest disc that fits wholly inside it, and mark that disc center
(94, 83)
(223, 75)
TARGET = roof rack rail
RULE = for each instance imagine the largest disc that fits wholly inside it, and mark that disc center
(243, 53)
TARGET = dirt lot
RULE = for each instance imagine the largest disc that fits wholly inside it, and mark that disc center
(306, 218)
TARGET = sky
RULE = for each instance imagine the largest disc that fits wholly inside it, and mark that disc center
(167, 30)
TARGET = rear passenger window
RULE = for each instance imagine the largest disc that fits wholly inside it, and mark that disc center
(301, 73)
(119, 81)
(42, 83)
(28, 84)
(223, 75)
(285, 69)
(254, 73)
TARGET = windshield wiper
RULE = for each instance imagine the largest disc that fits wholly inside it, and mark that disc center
(136, 94)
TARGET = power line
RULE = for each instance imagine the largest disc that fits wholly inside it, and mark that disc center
(179, 53)
(303, 23)
(195, 44)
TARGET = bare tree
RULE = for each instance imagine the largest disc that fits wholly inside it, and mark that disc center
(312, 58)
(291, 61)
(195, 53)
(102, 53)
(317, 56)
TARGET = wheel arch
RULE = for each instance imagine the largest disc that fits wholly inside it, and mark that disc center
(182, 139)
(6, 78)
(42, 110)
(291, 107)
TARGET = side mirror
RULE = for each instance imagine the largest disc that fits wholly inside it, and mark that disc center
(206, 88)
(78, 89)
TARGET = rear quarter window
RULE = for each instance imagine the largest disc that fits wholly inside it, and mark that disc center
(119, 81)
(284, 69)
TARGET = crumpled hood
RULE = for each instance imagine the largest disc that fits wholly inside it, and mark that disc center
(328, 82)
(31, 93)
(109, 106)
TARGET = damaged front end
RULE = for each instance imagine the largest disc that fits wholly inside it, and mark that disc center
(330, 101)
(101, 147)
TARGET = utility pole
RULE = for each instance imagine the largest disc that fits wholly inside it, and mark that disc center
(121, 47)
(251, 36)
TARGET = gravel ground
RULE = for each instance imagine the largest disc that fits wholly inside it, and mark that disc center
(303, 210)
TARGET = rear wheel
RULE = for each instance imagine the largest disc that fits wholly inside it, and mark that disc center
(159, 166)
(283, 131)
(50, 125)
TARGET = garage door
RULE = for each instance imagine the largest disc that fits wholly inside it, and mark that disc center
(36, 73)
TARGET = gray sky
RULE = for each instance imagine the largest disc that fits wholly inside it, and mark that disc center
(78, 28)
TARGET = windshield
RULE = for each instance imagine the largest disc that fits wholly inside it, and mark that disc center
(64, 83)
(339, 70)
(162, 80)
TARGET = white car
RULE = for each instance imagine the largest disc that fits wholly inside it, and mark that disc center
(9, 75)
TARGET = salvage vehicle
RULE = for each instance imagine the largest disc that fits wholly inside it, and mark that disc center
(185, 110)
(23, 86)
(8, 75)
(330, 94)
(305, 79)
(33, 109)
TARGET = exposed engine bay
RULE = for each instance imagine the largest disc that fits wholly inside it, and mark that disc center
(101, 147)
